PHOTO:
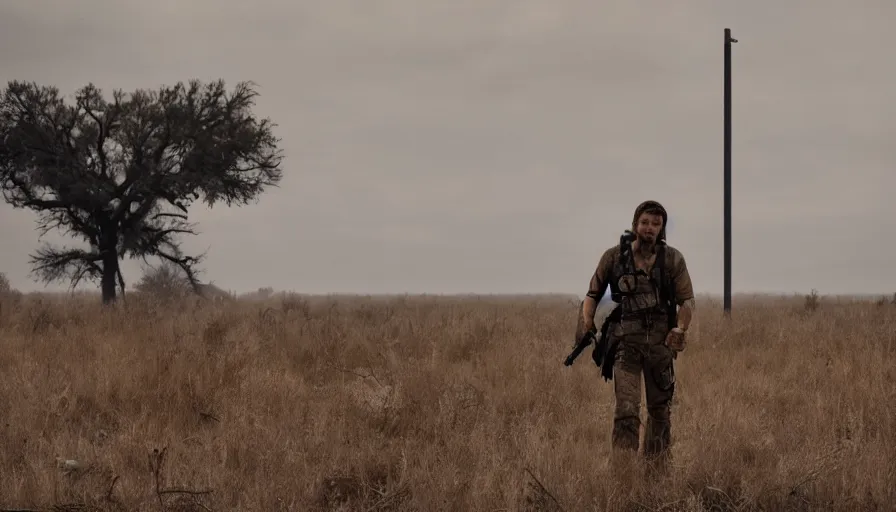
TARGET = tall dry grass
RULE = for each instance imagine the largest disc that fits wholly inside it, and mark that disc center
(427, 403)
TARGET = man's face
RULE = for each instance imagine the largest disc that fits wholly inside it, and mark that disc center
(649, 227)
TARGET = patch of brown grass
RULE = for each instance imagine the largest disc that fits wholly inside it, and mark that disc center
(426, 403)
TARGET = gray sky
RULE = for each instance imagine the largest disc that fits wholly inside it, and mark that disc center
(501, 146)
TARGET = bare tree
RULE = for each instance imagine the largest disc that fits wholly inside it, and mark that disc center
(121, 174)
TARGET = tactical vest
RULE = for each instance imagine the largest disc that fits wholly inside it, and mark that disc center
(639, 293)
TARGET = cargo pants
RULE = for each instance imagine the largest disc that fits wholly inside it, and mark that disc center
(641, 350)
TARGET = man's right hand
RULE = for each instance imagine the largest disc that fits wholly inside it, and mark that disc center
(582, 329)
(589, 308)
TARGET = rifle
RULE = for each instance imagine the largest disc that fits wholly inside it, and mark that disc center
(579, 347)
(603, 354)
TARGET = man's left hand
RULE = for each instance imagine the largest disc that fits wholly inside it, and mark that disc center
(676, 340)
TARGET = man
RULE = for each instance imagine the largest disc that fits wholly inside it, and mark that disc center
(644, 339)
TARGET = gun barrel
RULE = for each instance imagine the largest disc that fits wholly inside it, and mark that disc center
(580, 346)
(572, 356)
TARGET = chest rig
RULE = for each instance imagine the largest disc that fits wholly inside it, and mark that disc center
(641, 295)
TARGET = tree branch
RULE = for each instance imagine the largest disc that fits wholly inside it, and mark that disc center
(186, 263)
(52, 264)
(84, 100)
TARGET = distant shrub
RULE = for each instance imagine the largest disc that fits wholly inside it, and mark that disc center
(812, 301)
(165, 281)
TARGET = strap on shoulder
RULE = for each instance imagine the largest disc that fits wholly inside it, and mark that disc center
(667, 288)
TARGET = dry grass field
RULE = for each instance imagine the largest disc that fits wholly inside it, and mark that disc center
(428, 403)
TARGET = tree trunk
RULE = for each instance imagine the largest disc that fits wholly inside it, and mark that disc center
(110, 271)
(109, 251)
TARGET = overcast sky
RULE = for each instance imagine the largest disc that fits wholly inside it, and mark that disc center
(501, 146)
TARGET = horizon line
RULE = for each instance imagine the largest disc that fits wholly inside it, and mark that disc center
(606, 297)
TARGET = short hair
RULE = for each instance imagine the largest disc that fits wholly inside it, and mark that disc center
(655, 208)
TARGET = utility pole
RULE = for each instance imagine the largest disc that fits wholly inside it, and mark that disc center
(728, 41)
